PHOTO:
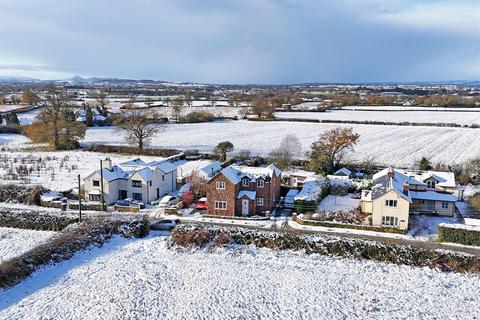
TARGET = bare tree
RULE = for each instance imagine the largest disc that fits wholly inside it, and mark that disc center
(188, 99)
(139, 128)
(197, 182)
(283, 155)
(57, 100)
(177, 107)
(101, 99)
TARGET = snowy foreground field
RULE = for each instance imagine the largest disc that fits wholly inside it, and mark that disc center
(395, 145)
(461, 118)
(143, 279)
(15, 242)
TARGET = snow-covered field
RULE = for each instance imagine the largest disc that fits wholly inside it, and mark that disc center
(15, 242)
(395, 145)
(411, 108)
(143, 279)
(462, 118)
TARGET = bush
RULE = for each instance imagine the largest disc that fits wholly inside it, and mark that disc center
(458, 234)
(334, 246)
(34, 220)
(196, 117)
(20, 194)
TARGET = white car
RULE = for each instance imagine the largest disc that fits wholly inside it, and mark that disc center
(165, 224)
(168, 200)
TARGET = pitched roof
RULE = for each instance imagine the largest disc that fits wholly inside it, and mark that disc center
(312, 188)
(384, 184)
(212, 168)
(250, 194)
(432, 195)
(343, 171)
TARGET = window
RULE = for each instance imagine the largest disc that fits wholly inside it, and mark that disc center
(136, 183)
(444, 205)
(221, 185)
(96, 183)
(137, 196)
(260, 202)
(260, 183)
(94, 197)
(431, 184)
(391, 203)
(221, 205)
(390, 221)
(150, 183)
(245, 182)
(163, 177)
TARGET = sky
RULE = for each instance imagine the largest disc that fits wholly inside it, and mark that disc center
(242, 41)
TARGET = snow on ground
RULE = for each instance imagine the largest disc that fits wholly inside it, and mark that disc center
(13, 141)
(425, 227)
(27, 118)
(338, 203)
(388, 145)
(15, 242)
(142, 278)
(462, 118)
(409, 108)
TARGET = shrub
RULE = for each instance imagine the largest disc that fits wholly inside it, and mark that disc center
(20, 194)
(196, 117)
(459, 234)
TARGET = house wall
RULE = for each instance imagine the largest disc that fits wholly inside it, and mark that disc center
(228, 195)
(401, 212)
(251, 206)
(165, 185)
(418, 205)
(367, 206)
(110, 189)
(450, 211)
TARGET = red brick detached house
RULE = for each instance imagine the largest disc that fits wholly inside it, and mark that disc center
(243, 191)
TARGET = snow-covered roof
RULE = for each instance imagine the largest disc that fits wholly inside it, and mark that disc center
(343, 172)
(212, 168)
(115, 173)
(235, 173)
(250, 194)
(134, 162)
(298, 173)
(432, 195)
(384, 184)
(444, 179)
(164, 165)
(312, 188)
(290, 197)
(98, 192)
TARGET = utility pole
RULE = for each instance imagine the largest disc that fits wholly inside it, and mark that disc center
(79, 202)
(101, 186)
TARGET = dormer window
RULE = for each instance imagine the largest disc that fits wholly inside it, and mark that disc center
(245, 182)
(260, 183)
(431, 184)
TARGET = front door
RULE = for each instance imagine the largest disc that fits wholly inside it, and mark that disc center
(245, 207)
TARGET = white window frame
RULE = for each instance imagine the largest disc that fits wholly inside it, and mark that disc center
(245, 182)
(221, 205)
(444, 204)
(260, 183)
(389, 221)
(391, 203)
(96, 183)
(260, 202)
(221, 185)
(137, 183)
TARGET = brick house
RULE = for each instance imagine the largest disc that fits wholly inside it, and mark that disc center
(243, 191)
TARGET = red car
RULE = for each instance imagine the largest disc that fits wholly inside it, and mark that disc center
(201, 204)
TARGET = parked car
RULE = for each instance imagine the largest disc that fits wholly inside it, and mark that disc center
(165, 224)
(129, 202)
(168, 200)
(201, 204)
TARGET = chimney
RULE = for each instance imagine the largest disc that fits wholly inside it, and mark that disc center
(406, 187)
(107, 164)
(391, 172)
